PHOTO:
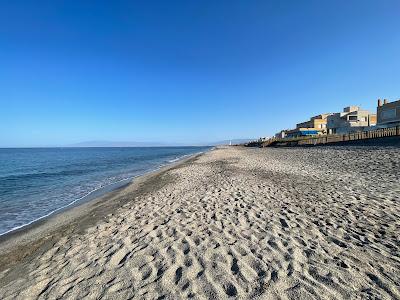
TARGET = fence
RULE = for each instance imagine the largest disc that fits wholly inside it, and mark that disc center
(333, 138)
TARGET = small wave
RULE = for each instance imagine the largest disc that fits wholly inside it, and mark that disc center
(174, 160)
(67, 205)
(184, 156)
(105, 186)
(43, 175)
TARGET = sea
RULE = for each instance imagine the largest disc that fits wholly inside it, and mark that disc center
(38, 182)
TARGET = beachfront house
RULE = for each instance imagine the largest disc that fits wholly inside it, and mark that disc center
(388, 113)
(281, 134)
(352, 119)
(315, 126)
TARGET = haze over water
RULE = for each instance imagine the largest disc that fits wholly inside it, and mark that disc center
(35, 182)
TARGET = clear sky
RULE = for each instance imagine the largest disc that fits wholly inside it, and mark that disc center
(193, 71)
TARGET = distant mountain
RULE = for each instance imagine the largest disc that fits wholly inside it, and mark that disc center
(121, 144)
(153, 144)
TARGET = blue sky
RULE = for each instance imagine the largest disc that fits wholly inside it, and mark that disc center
(188, 71)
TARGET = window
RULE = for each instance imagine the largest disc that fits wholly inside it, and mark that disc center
(352, 118)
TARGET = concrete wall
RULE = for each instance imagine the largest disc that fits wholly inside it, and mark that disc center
(388, 113)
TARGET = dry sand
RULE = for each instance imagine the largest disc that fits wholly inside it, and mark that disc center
(296, 223)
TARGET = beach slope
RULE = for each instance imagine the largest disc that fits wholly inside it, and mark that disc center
(290, 223)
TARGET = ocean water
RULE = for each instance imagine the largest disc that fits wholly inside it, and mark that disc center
(37, 182)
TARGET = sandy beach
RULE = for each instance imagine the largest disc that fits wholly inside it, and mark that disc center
(275, 223)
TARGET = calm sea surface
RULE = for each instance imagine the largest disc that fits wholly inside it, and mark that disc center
(36, 182)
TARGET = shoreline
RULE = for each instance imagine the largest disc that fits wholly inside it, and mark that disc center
(77, 202)
(36, 231)
(96, 193)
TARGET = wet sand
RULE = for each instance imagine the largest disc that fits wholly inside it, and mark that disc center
(287, 223)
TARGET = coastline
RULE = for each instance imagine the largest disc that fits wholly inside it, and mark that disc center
(96, 193)
(235, 222)
(74, 217)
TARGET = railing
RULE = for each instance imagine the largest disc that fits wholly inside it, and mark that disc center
(333, 138)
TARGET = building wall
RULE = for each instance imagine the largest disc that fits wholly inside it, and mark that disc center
(317, 122)
(350, 120)
(351, 108)
(281, 134)
(320, 123)
(372, 120)
(388, 113)
(306, 124)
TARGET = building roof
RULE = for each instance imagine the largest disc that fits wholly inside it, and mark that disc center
(393, 103)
